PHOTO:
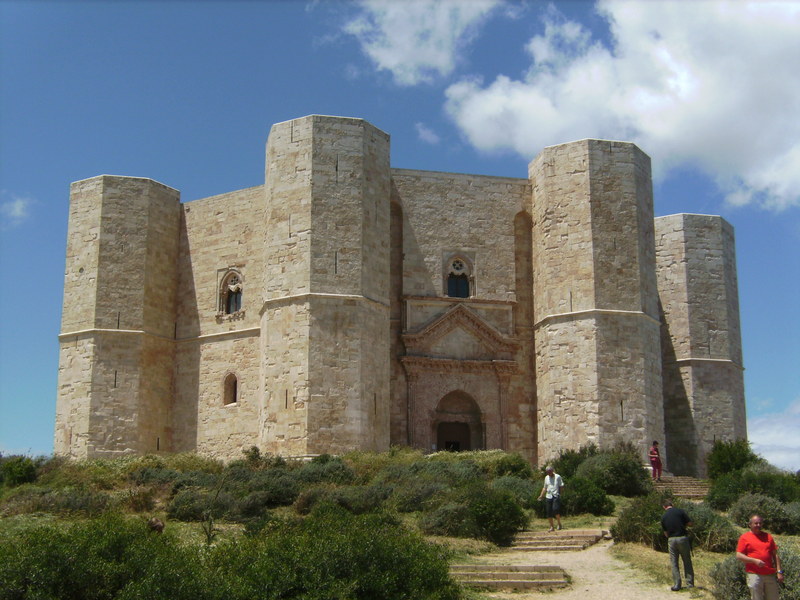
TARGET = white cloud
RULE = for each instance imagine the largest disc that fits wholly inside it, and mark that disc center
(711, 84)
(426, 134)
(417, 40)
(14, 210)
(776, 437)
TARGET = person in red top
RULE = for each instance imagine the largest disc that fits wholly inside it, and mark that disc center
(655, 461)
(757, 550)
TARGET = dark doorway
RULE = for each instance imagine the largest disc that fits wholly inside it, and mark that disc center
(454, 437)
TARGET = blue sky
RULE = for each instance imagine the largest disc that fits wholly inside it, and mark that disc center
(185, 93)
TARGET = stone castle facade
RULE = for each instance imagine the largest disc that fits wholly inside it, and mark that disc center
(346, 304)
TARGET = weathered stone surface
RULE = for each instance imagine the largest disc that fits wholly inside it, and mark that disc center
(314, 313)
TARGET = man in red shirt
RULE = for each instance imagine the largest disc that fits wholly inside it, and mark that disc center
(757, 550)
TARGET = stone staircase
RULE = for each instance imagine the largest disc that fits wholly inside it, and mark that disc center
(508, 577)
(683, 487)
(565, 540)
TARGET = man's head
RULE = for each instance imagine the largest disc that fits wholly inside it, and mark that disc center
(655, 443)
(667, 504)
(549, 470)
(755, 523)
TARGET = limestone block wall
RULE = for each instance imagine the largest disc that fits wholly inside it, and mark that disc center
(218, 235)
(701, 337)
(595, 304)
(119, 317)
(445, 213)
(328, 216)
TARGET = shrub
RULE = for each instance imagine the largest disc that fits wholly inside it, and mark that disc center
(580, 497)
(452, 519)
(730, 583)
(502, 464)
(727, 457)
(99, 559)
(412, 496)
(309, 498)
(325, 469)
(709, 530)
(772, 511)
(195, 479)
(498, 516)
(68, 501)
(640, 523)
(153, 476)
(568, 461)
(194, 504)
(140, 499)
(338, 555)
(618, 473)
(523, 490)
(281, 487)
(758, 479)
(16, 470)
(793, 512)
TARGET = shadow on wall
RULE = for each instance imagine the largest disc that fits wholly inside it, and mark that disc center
(679, 426)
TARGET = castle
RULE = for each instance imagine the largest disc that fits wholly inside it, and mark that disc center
(346, 304)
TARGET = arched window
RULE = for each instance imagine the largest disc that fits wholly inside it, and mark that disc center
(459, 275)
(230, 389)
(230, 295)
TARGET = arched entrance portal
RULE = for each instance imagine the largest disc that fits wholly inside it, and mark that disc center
(457, 423)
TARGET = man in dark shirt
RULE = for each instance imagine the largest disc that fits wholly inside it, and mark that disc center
(674, 522)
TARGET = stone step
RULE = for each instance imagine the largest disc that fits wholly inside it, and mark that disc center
(509, 576)
(683, 486)
(556, 541)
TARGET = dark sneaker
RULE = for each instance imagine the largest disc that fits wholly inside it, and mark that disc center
(675, 588)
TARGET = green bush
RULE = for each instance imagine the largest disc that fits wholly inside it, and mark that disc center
(65, 502)
(710, 531)
(98, 559)
(617, 473)
(568, 461)
(332, 555)
(498, 516)
(451, 519)
(771, 511)
(640, 523)
(729, 580)
(793, 512)
(309, 498)
(193, 504)
(580, 497)
(16, 470)
(412, 496)
(502, 464)
(282, 488)
(325, 469)
(757, 479)
(524, 490)
(478, 511)
(727, 457)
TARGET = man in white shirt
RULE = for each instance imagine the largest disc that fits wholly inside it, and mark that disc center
(553, 484)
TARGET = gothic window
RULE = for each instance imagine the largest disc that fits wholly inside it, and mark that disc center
(459, 275)
(230, 389)
(230, 296)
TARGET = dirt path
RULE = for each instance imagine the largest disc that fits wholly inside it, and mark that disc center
(595, 574)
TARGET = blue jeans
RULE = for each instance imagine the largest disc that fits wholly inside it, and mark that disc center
(681, 546)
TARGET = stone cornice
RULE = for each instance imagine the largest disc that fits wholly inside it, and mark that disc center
(303, 297)
(417, 364)
(583, 314)
(251, 331)
(458, 316)
(695, 359)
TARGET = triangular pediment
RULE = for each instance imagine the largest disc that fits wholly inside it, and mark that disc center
(460, 333)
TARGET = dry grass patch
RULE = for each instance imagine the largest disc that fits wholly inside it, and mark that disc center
(656, 568)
